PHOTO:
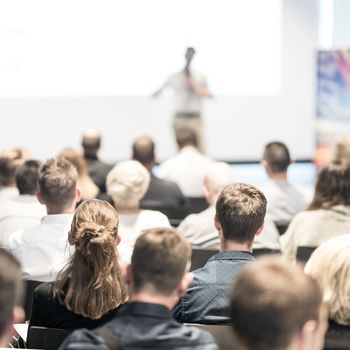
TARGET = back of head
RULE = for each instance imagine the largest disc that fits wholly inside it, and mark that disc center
(186, 137)
(57, 183)
(127, 183)
(91, 143)
(27, 177)
(329, 265)
(271, 301)
(76, 159)
(10, 160)
(95, 285)
(143, 151)
(276, 155)
(11, 288)
(240, 210)
(159, 260)
(332, 186)
(218, 176)
(342, 150)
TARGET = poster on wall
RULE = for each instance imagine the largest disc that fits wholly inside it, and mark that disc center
(333, 100)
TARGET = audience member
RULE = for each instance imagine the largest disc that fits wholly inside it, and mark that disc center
(87, 188)
(127, 183)
(157, 278)
(284, 200)
(10, 160)
(163, 195)
(25, 210)
(11, 295)
(329, 212)
(188, 167)
(98, 170)
(329, 265)
(240, 213)
(87, 292)
(43, 249)
(199, 228)
(275, 306)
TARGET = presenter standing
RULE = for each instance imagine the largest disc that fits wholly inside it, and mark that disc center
(189, 88)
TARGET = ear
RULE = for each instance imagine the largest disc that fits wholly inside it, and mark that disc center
(307, 337)
(260, 229)
(117, 241)
(217, 223)
(184, 284)
(70, 238)
(127, 273)
(77, 195)
(18, 314)
(40, 198)
(207, 194)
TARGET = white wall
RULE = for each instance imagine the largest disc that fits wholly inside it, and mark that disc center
(236, 126)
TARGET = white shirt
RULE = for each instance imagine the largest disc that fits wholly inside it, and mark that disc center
(22, 212)
(131, 227)
(8, 193)
(185, 99)
(187, 169)
(200, 231)
(43, 250)
(284, 200)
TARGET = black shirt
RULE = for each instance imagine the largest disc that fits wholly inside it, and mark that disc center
(47, 311)
(143, 326)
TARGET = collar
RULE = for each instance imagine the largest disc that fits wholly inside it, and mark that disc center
(60, 219)
(138, 308)
(26, 198)
(233, 255)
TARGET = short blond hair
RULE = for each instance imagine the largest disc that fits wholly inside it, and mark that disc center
(127, 183)
(57, 183)
(329, 265)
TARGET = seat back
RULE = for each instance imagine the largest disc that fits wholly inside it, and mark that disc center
(222, 334)
(28, 299)
(200, 257)
(304, 253)
(282, 228)
(46, 338)
(265, 251)
(197, 204)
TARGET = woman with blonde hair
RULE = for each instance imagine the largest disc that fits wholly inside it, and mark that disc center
(87, 292)
(87, 188)
(329, 265)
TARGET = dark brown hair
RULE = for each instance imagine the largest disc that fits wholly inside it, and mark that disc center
(271, 301)
(143, 150)
(276, 154)
(332, 186)
(159, 260)
(240, 210)
(93, 274)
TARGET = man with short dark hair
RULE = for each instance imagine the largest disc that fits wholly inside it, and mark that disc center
(25, 210)
(43, 249)
(98, 170)
(11, 295)
(284, 199)
(161, 195)
(275, 306)
(240, 213)
(157, 278)
(188, 167)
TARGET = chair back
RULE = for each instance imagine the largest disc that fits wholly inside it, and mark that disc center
(197, 204)
(200, 257)
(46, 338)
(30, 286)
(265, 251)
(304, 253)
(222, 334)
(282, 228)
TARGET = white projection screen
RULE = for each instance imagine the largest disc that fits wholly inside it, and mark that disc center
(77, 64)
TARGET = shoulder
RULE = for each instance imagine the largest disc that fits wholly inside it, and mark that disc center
(15, 240)
(44, 291)
(154, 216)
(84, 339)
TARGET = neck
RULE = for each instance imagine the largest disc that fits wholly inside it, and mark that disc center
(154, 298)
(278, 176)
(54, 211)
(127, 210)
(231, 245)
